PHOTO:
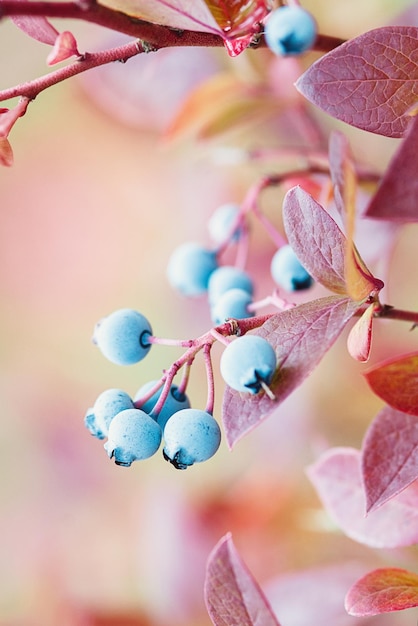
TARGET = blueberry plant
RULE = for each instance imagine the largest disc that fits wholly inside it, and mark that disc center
(271, 344)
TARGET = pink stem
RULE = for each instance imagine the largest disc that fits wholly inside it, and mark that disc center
(209, 375)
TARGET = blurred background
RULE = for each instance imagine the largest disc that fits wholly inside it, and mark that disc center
(103, 188)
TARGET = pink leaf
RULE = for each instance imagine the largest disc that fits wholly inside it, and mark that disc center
(65, 46)
(382, 591)
(6, 152)
(337, 478)
(360, 338)
(396, 196)
(301, 336)
(339, 155)
(370, 82)
(233, 597)
(396, 382)
(316, 239)
(389, 456)
(37, 27)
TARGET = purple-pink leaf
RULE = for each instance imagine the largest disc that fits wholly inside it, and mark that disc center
(370, 82)
(396, 196)
(37, 27)
(389, 456)
(65, 46)
(232, 595)
(301, 336)
(359, 340)
(337, 478)
(384, 590)
(340, 158)
(316, 239)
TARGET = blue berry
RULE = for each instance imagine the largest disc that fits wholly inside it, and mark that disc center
(221, 222)
(232, 304)
(122, 336)
(189, 268)
(92, 425)
(247, 362)
(290, 30)
(228, 277)
(175, 402)
(133, 435)
(108, 404)
(288, 272)
(190, 436)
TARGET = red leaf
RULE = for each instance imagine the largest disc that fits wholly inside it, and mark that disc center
(360, 338)
(370, 82)
(383, 591)
(233, 597)
(65, 46)
(237, 17)
(337, 478)
(389, 456)
(301, 336)
(396, 196)
(396, 382)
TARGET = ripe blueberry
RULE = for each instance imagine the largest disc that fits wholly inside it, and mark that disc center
(108, 404)
(190, 436)
(221, 222)
(175, 401)
(189, 268)
(133, 435)
(228, 277)
(122, 336)
(288, 272)
(248, 363)
(232, 304)
(290, 30)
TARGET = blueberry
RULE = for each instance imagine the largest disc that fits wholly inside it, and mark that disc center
(290, 30)
(232, 304)
(221, 222)
(228, 277)
(122, 336)
(248, 363)
(190, 436)
(91, 423)
(189, 268)
(288, 272)
(175, 402)
(108, 404)
(133, 436)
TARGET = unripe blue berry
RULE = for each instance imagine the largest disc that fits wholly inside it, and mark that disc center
(290, 30)
(189, 268)
(122, 336)
(232, 304)
(221, 222)
(248, 363)
(133, 435)
(108, 404)
(228, 277)
(175, 401)
(288, 272)
(90, 422)
(190, 436)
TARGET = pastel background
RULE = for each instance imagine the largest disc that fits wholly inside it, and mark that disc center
(89, 215)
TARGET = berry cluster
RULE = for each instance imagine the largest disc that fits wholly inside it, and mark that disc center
(160, 411)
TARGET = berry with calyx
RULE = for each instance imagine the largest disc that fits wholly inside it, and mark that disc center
(108, 404)
(290, 30)
(248, 363)
(228, 277)
(190, 436)
(288, 272)
(175, 401)
(190, 267)
(234, 304)
(123, 336)
(133, 436)
(221, 223)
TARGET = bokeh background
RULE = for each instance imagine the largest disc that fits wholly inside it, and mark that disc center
(94, 204)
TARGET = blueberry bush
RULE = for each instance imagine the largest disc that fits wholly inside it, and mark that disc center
(273, 320)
